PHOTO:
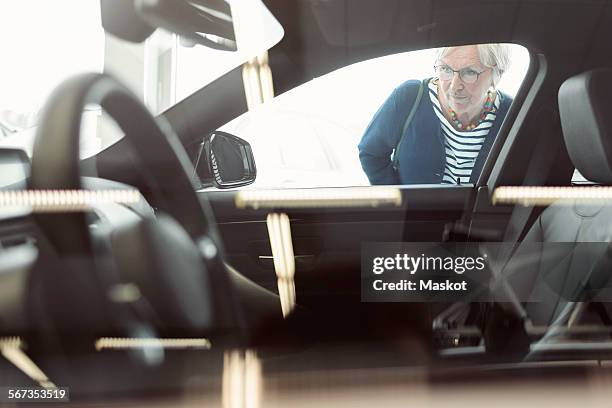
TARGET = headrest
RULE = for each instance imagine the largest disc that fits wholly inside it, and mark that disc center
(585, 107)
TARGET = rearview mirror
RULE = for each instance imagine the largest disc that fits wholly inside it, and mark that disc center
(225, 161)
(205, 22)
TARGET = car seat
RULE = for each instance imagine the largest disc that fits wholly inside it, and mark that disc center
(541, 269)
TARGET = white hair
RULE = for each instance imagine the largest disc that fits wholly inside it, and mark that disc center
(494, 56)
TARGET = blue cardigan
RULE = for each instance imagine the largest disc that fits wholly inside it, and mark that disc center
(421, 155)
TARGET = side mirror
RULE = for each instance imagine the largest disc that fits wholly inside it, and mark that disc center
(225, 161)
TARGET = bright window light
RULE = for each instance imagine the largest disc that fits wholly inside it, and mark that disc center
(43, 42)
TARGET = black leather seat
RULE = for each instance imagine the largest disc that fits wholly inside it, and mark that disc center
(550, 273)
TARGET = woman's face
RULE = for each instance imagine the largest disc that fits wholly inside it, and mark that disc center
(466, 99)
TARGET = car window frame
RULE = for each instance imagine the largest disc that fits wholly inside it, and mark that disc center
(496, 155)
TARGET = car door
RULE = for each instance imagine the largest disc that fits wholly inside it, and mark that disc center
(327, 241)
(292, 139)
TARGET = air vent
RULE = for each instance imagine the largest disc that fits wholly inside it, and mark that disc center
(16, 240)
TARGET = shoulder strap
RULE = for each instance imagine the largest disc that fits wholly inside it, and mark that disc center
(409, 118)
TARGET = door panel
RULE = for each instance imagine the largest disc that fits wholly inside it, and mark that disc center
(327, 241)
(327, 245)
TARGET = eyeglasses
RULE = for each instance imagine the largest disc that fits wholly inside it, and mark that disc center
(467, 75)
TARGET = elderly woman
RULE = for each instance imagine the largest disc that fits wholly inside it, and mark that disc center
(439, 130)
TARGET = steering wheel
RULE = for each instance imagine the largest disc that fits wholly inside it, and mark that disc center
(175, 259)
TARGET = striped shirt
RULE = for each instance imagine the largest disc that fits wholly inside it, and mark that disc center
(462, 147)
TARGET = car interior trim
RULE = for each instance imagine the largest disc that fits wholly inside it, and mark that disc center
(544, 196)
(67, 200)
(279, 230)
(319, 198)
(242, 379)
(123, 343)
(12, 349)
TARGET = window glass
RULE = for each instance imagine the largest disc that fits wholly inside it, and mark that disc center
(45, 42)
(311, 136)
(256, 31)
(38, 55)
